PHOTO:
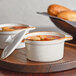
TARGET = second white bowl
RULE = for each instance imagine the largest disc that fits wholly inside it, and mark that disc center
(7, 36)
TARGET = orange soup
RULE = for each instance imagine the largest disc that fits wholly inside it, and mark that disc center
(43, 37)
(12, 28)
(19, 27)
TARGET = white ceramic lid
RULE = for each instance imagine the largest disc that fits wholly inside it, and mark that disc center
(13, 44)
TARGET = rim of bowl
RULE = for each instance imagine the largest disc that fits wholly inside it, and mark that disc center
(12, 32)
(45, 42)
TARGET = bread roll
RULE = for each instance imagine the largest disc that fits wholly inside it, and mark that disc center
(55, 9)
(67, 15)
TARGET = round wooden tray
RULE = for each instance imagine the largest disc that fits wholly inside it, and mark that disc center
(17, 61)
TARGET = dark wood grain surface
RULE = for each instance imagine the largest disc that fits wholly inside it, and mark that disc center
(4, 72)
(64, 26)
(17, 61)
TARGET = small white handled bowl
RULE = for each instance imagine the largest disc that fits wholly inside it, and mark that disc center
(45, 51)
(8, 36)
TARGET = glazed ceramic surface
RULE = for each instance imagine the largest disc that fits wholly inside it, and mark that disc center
(45, 51)
(7, 37)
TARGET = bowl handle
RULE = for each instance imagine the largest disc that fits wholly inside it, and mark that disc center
(31, 28)
(68, 37)
(27, 31)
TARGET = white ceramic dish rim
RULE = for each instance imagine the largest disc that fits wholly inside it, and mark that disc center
(13, 32)
(63, 37)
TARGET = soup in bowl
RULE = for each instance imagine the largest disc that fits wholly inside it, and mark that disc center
(43, 38)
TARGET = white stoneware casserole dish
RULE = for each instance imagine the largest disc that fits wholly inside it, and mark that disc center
(7, 36)
(45, 51)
